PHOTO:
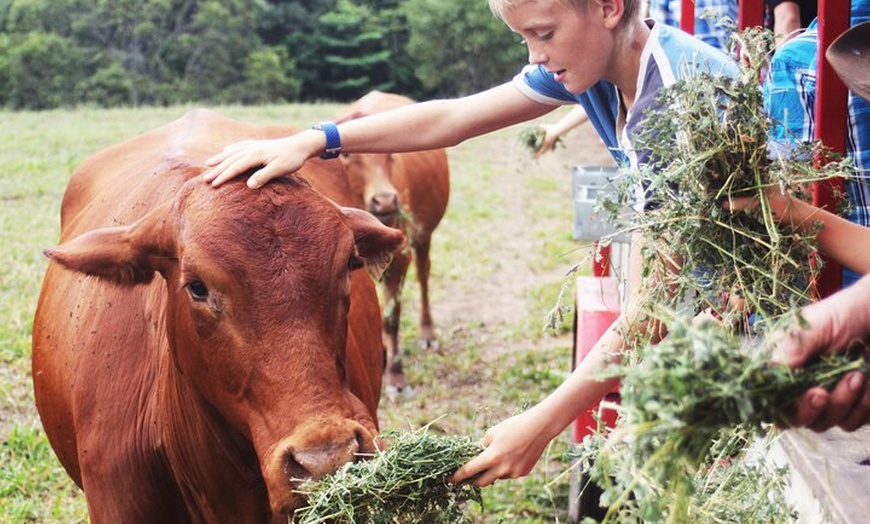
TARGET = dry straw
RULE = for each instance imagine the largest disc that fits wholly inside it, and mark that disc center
(403, 484)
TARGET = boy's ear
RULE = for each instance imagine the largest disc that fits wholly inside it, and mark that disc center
(612, 11)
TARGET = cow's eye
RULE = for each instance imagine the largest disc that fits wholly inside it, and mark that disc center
(198, 290)
(355, 262)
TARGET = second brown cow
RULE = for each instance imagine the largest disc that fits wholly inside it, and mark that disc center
(408, 191)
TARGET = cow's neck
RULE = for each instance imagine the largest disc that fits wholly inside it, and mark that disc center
(217, 467)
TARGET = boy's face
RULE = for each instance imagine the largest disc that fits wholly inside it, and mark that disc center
(573, 44)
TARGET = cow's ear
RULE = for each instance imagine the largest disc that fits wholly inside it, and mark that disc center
(125, 255)
(375, 242)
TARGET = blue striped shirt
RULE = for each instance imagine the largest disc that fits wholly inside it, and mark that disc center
(714, 19)
(789, 95)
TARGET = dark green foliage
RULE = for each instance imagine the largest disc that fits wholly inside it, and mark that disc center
(352, 46)
(160, 52)
(460, 47)
(42, 71)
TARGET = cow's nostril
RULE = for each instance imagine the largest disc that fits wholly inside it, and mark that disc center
(319, 461)
(364, 446)
(293, 470)
(385, 203)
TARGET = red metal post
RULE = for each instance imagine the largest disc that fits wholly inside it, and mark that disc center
(750, 13)
(687, 16)
(831, 119)
(600, 260)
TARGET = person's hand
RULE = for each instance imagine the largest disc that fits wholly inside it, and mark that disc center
(269, 158)
(549, 141)
(738, 204)
(836, 324)
(513, 447)
(780, 204)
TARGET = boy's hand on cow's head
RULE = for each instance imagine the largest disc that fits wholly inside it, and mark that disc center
(264, 159)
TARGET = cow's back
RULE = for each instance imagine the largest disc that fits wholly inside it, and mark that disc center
(125, 181)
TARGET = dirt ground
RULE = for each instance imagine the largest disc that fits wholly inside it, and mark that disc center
(518, 243)
(489, 308)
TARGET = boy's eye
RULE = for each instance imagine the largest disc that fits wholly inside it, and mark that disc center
(544, 36)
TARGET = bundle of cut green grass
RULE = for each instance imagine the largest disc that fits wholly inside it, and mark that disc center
(731, 485)
(406, 483)
(709, 145)
(681, 398)
(532, 137)
(703, 377)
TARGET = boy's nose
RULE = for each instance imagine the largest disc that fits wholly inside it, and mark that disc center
(536, 57)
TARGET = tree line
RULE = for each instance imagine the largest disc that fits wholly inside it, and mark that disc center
(59, 53)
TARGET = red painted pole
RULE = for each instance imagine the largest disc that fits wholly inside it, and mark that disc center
(750, 13)
(687, 16)
(831, 112)
(600, 260)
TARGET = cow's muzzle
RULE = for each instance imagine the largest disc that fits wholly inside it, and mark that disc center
(318, 449)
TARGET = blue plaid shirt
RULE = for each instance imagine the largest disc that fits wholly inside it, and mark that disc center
(789, 95)
(708, 17)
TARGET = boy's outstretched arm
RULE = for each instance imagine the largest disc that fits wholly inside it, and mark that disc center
(513, 447)
(426, 125)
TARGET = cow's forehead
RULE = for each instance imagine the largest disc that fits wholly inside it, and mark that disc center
(281, 223)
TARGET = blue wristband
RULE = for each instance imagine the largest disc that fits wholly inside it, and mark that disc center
(333, 139)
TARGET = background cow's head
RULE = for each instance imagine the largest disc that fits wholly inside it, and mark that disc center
(256, 303)
(370, 174)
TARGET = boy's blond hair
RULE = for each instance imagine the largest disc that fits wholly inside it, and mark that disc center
(498, 7)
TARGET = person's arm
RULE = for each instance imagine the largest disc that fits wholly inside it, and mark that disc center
(786, 21)
(513, 447)
(835, 325)
(844, 241)
(425, 125)
(552, 132)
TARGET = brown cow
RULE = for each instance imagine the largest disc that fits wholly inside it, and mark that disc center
(408, 191)
(254, 361)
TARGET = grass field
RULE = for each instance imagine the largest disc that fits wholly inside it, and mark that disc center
(499, 260)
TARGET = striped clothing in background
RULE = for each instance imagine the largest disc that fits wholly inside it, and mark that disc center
(709, 15)
(789, 95)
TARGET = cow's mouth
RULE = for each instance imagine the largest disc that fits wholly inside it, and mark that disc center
(389, 218)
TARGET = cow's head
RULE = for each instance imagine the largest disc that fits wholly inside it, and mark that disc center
(370, 179)
(258, 289)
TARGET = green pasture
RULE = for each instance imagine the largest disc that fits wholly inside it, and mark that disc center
(484, 371)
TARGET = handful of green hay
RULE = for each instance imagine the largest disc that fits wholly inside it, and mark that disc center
(532, 137)
(703, 377)
(702, 385)
(406, 483)
(731, 485)
(708, 145)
